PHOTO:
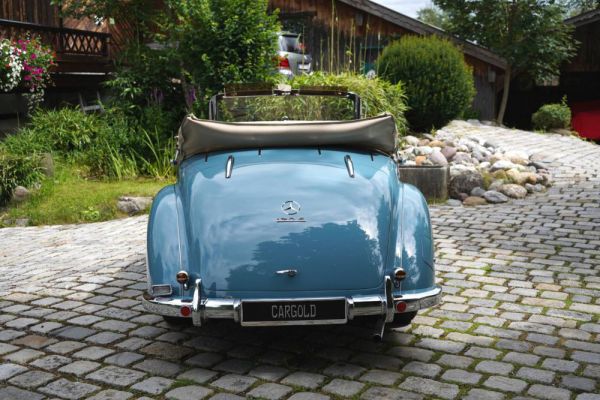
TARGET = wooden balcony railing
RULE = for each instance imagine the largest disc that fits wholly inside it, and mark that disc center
(65, 41)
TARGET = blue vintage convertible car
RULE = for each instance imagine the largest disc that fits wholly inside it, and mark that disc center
(290, 223)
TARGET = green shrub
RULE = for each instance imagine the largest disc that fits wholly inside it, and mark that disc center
(17, 170)
(438, 83)
(378, 96)
(552, 116)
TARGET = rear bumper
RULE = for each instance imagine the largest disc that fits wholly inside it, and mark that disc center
(357, 306)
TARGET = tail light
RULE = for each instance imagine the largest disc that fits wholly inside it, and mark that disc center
(284, 63)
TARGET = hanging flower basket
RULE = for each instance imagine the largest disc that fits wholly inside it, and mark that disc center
(24, 67)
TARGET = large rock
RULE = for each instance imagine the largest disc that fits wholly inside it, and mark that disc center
(437, 158)
(449, 152)
(474, 201)
(47, 164)
(420, 159)
(411, 140)
(464, 182)
(514, 191)
(423, 150)
(503, 164)
(436, 143)
(462, 158)
(493, 196)
(517, 157)
(20, 194)
(477, 192)
(133, 205)
(521, 178)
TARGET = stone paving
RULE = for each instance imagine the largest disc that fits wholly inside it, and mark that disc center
(520, 317)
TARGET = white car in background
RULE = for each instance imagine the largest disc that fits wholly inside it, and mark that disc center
(291, 55)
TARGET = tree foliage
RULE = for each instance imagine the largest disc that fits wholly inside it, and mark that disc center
(433, 16)
(185, 50)
(222, 41)
(529, 34)
(576, 7)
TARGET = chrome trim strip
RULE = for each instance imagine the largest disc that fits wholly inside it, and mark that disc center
(356, 306)
(229, 167)
(349, 166)
(389, 300)
(196, 311)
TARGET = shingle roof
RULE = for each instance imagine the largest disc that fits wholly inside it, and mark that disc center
(422, 28)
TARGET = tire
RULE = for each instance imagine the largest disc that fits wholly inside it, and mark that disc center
(401, 320)
(178, 321)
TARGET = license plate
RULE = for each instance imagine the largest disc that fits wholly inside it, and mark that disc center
(304, 66)
(296, 312)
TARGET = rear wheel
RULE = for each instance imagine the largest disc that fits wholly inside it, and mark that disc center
(403, 319)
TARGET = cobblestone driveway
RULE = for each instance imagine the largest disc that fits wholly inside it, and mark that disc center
(520, 317)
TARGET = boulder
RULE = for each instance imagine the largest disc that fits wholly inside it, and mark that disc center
(464, 182)
(420, 159)
(448, 152)
(411, 140)
(22, 222)
(437, 158)
(47, 164)
(20, 194)
(503, 164)
(477, 192)
(529, 188)
(424, 142)
(514, 191)
(453, 202)
(494, 197)
(495, 185)
(133, 205)
(517, 157)
(539, 188)
(423, 150)
(462, 158)
(436, 143)
(517, 177)
(474, 201)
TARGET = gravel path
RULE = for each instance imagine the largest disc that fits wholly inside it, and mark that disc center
(520, 317)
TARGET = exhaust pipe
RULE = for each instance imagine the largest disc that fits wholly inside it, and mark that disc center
(379, 328)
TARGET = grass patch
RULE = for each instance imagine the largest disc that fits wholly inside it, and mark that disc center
(69, 197)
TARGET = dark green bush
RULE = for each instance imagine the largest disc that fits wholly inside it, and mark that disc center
(552, 116)
(438, 83)
(17, 170)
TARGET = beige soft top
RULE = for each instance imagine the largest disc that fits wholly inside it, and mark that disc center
(202, 136)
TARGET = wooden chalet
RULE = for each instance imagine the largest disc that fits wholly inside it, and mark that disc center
(350, 34)
(83, 49)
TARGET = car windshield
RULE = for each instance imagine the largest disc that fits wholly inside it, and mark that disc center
(288, 107)
(290, 43)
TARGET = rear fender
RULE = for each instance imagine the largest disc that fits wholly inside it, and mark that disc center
(414, 243)
(166, 240)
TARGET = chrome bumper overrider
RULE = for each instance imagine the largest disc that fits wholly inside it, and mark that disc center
(357, 306)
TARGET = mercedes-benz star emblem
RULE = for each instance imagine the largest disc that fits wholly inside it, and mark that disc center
(290, 207)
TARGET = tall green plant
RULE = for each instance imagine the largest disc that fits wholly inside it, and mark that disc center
(378, 95)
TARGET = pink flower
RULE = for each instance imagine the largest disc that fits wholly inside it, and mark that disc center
(33, 56)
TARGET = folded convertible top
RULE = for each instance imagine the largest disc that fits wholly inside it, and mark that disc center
(202, 136)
